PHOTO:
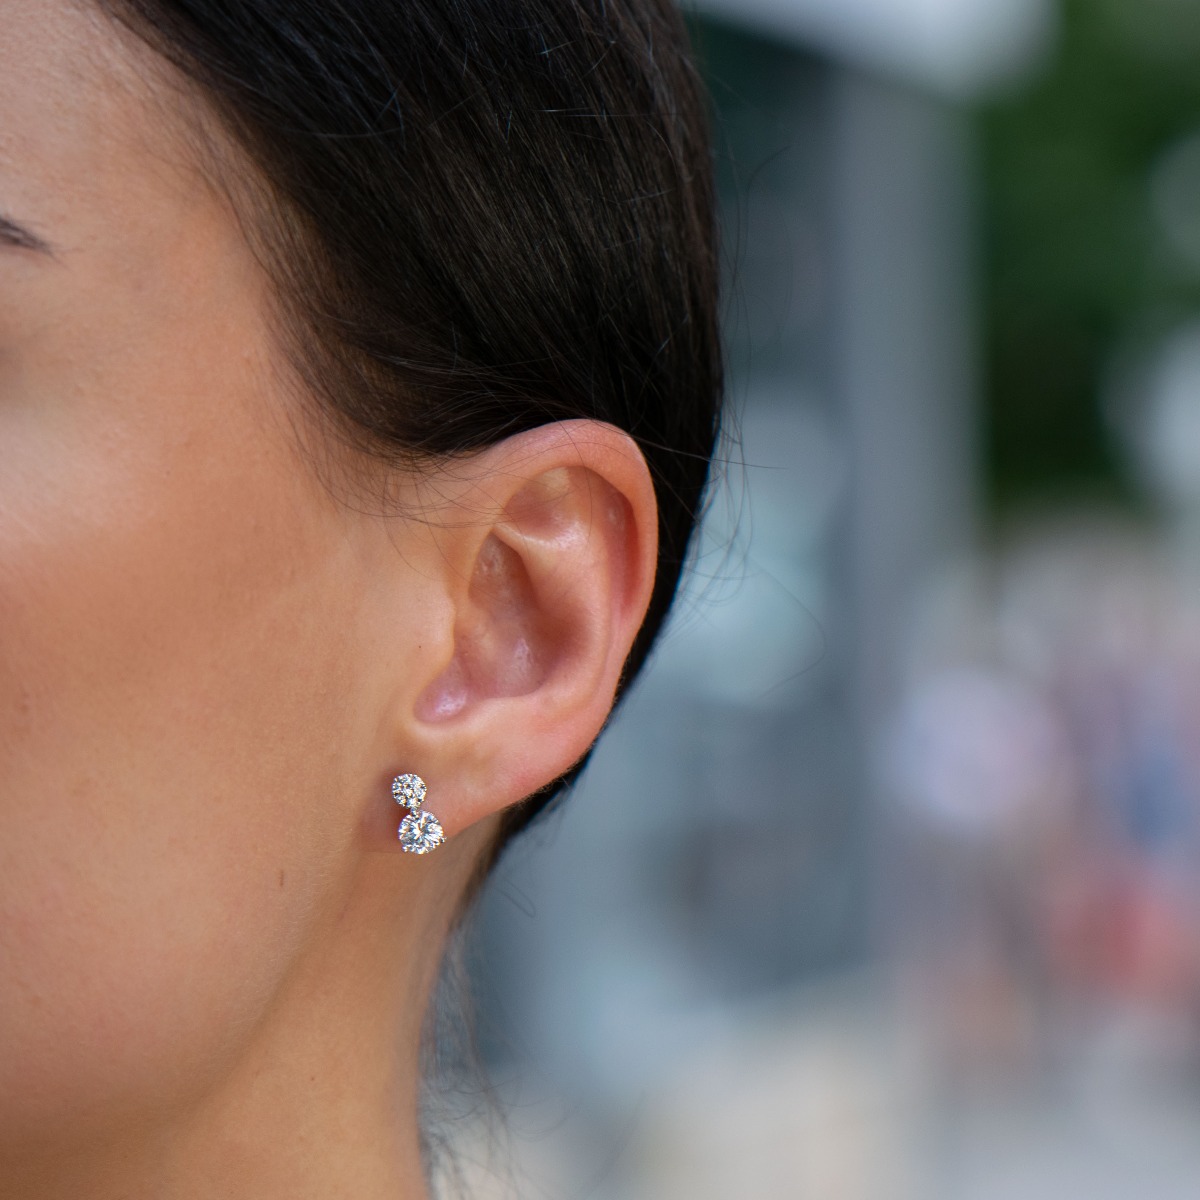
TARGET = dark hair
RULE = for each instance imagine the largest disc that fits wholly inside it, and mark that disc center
(481, 216)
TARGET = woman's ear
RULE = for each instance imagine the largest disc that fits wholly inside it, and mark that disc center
(548, 547)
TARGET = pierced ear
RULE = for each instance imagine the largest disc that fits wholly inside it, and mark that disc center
(553, 587)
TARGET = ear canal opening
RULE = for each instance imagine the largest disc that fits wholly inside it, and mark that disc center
(503, 643)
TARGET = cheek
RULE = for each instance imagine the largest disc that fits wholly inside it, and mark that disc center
(176, 717)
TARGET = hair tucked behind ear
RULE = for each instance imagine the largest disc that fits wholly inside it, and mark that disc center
(485, 215)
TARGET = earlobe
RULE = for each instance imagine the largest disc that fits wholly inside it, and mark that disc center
(559, 579)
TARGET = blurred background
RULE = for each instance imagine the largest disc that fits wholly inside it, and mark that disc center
(885, 882)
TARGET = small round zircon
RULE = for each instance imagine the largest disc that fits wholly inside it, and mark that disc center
(409, 790)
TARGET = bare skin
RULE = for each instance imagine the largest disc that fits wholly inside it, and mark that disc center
(214, 961)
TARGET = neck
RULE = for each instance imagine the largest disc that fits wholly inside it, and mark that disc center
(322, 1098)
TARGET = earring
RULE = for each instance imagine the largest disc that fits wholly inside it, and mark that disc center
(420, 831)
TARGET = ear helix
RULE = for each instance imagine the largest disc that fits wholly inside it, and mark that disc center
(420, 831)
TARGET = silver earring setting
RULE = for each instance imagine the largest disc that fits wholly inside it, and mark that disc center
(420, 831)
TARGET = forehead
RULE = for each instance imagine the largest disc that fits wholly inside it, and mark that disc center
(89, 144)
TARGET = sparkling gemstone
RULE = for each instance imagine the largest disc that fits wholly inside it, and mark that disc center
(420, 833)
(409, 790)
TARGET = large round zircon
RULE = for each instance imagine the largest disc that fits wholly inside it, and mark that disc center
(409, 790)
(420, 833)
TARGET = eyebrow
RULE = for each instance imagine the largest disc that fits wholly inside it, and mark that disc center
(12, 234)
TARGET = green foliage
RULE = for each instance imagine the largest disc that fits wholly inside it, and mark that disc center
(1075, 263)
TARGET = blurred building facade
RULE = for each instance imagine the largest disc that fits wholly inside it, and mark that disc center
(819, 920)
